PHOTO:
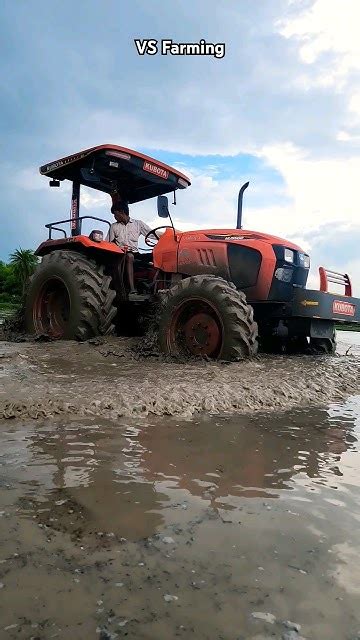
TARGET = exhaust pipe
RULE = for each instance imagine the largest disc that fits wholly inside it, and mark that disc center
(240, 202)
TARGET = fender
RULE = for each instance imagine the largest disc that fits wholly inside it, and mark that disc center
(78, 242)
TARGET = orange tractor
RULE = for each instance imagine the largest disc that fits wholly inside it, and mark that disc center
(220, 291)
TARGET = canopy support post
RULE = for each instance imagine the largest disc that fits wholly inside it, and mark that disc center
(75, 209)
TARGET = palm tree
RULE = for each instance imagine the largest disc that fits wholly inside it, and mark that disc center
(23, 262)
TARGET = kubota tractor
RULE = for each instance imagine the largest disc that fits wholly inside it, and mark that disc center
(220, 291)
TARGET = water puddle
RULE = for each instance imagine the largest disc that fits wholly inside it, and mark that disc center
(221, 527)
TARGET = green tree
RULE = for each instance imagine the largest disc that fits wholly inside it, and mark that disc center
(10, 287)
(4, 274)
(23, 262)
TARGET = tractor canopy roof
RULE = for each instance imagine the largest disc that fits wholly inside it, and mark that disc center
(111, 169)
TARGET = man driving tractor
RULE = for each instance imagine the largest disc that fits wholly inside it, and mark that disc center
(125, 232)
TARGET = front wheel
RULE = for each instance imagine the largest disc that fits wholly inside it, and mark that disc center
(206, 316)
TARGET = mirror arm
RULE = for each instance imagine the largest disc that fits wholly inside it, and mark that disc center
(173, 228)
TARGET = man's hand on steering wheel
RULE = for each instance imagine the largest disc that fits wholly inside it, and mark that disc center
(150, 242)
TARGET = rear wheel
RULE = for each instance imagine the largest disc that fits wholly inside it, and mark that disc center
(69, 297)
(206, 316)
(298, 345)
(322, 346)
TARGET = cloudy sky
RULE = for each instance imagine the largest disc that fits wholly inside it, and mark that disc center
(281, 109)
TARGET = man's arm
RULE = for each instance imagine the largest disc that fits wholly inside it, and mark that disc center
(145, 229)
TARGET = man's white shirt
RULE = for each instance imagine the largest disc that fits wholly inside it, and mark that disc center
(127, 235)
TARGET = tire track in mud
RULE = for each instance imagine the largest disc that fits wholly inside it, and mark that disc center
(57, 379)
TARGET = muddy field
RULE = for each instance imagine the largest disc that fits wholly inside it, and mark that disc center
(155, 500)
(109, 378)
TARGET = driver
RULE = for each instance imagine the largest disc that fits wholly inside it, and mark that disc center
(125, 232)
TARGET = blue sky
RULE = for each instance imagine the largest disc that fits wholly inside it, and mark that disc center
(281, 109)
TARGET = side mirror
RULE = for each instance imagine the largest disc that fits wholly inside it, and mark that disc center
(163, 207)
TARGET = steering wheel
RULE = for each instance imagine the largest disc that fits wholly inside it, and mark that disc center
(151, 242)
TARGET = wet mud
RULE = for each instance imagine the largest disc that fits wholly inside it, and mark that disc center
(110, 378)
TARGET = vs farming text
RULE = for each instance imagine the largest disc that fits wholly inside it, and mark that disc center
(169, 47)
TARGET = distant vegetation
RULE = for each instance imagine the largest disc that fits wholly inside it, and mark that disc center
(347, 327)
(14, 277)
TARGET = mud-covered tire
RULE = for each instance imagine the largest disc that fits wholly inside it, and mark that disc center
(70, 297)
(322, 346)
(216, 310)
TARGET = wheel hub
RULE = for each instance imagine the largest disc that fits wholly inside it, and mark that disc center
(202, 334)
(52, 309)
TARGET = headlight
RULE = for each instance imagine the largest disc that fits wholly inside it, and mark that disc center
(304, 260)
(289, 255)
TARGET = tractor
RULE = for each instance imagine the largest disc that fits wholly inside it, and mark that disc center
(220, 293)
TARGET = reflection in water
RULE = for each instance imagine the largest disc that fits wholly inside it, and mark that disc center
(232, 515)
(256, 457)
(123, 475)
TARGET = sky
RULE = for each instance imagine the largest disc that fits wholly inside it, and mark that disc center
(280, 109)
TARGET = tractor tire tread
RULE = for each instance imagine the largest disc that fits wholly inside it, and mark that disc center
(97, 310)
(240, 338)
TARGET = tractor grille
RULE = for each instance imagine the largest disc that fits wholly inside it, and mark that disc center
(244, 265)
(291, 275)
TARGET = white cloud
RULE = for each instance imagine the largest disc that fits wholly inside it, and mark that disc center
(354, 107)
(90, 198)
(327, 27)
(352, 268)
(322, 191)
(343, 136)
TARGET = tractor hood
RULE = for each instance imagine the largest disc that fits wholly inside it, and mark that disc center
(233, 235)
(112, 169)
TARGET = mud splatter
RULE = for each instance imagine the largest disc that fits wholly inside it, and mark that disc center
(103, 378)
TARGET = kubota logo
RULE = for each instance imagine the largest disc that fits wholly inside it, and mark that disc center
(343, 308)
(158, 171)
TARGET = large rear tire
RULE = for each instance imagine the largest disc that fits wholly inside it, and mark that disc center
(322, 346)
(206, 316)
(69, 297)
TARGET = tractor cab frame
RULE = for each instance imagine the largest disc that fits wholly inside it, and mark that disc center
(118, 171)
